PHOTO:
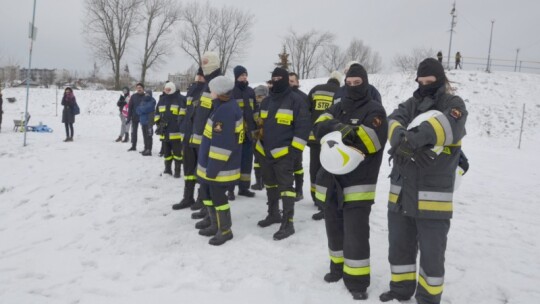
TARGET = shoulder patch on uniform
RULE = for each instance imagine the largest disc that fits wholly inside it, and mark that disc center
(456, 113)
(218, 127)
(377, 121)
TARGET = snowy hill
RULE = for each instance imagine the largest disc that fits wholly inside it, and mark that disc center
(88, 222)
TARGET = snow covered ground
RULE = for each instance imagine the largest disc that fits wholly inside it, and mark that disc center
(88, 222)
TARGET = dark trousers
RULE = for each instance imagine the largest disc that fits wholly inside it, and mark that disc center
(314, 166)
(147, 131)
(69, 129)
(246, 165)
(190, 162)
(278, 178)
(134, 130)
(216, 194)
(406, 235)
(172, 150)
(298, 173)
(347, 230)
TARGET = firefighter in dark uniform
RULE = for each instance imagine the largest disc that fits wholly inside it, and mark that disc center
(219, 159)
(348, 198)
(170, 113)
(245, 97)
(190, 153)
(320, 98)
(260, 93)
(422, 185)
(201, 109)
(283, 135)
(298, 166)
(372, 91)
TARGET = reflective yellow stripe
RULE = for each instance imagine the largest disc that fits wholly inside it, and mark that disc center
(323, 97)
(404, 277)
(280, 153)
(270, 186)
(439, 131)
(208, 203)
(218, 156)
(206, 102)
(223, 207)
(323, 118)
(393, 125)
(434, 206)
(368, 142)
(175, 136)
(194, 140)
(156, 118)
(356, 271)
(169, 158)
(256, 165)
(177, 157)
(288, 194)
(301, 171)
(359, 196)
(228, 178)
(393, 198)
(433, 290)
(298, 145)
(264, 113)
(337, 260)
(190, 177)
(260, 148)
(320, 196)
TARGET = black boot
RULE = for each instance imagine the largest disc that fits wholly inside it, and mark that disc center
(187, 200)
(273, 216)
(230, 195)
(168, 165)
(245, 192)
(335, 274)
(318, 216)
(287, 226)
(390, 295)
(146, 153)
(126, 137)
(359, 295)
(213, 228)
(258, 182)
(119, 139)
(224, 224)
(199, 214)
(132, 149)
(198, 205)
(204, 223)
(177, 166)
(299, 184)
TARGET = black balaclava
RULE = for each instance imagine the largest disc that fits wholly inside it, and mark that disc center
(357, 92)
(280, 85)
(430, 67)
(239, 70)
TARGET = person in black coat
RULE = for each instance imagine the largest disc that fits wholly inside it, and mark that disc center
(121, 104)
(133, 118)
(68, 117)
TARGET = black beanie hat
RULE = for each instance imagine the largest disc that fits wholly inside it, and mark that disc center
(239, 70)
(431, 67)
(281, 72)
(140, 84)
(356, 70)
(200, 72)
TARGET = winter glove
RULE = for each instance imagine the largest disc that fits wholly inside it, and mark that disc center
(403, 152)
(347, 133)
(463, 163)
(424, 157)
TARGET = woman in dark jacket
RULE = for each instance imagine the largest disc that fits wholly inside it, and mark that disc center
(68, 117)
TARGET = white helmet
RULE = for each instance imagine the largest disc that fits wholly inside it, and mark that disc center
(424, 117)
(336, 157)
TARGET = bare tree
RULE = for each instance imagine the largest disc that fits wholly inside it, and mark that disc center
(333, 58)
(409, 62)
(306, 50)
(109, 25)
(160, 18)
(226, 30)
(362, 53)
(233, 35)
(198, 30)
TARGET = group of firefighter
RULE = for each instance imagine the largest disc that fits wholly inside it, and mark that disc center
(222, 126)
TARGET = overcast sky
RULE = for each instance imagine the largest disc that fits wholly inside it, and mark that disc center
(388, 26)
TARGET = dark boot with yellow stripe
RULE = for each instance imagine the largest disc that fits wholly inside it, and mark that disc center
(168, 167)
(287, 226)
(273, 216)
(224, 223)
(213, 228)
(187, 200)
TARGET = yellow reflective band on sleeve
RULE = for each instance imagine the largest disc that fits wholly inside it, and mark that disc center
(279, 152)
(240, 103)
(206, 102)
(298, 145)
(439, 131)
(324, 117)
(174, 109)
(435, 206)
(432, 290)
(190, 177)
(182, 111)
(301, 171)
(393, 125)
(162, 109)
(312, 189)
(311, 136)
(195, 140)
(354, 271)
(288, 193)
(157, 118)
(286, 115)
(393, 198)
(260, 148)
(218, 156)
(366, 139)
(411, 276)
(264, 113)
(256, 165)
(175, 136)
(223, 207)
(239, 126)
(189, 101)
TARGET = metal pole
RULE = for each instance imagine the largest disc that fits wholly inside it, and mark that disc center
(488, 68)
(515, 65)
(521, 131)
(520, 62)
(56, 100)
(452, 24)
(32, 37)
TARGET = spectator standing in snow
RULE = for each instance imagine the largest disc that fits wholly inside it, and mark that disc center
(123, 108)
(439, 56)
(133, 118)
(458, 61)
(68, 117)
(422, 185)
(146, 115)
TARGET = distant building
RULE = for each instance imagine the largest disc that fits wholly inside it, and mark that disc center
(182, 81)
(41, 76)
(9, 74)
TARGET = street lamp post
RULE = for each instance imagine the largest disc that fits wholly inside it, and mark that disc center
(32, 35)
